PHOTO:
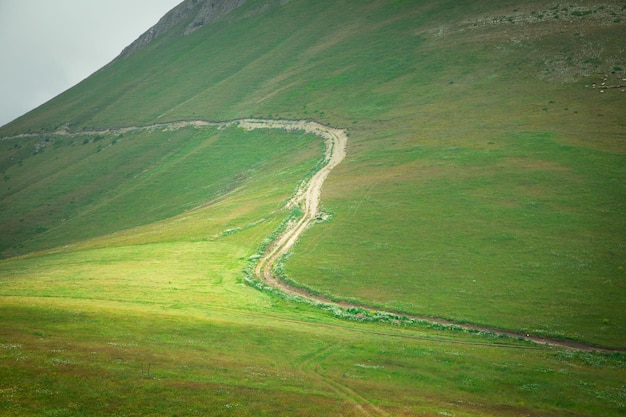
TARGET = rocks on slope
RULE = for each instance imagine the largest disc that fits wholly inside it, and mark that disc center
(192, 15)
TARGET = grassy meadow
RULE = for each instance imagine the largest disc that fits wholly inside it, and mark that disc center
(522, 232)
(78, 187)
(484, 182)
(168, 328)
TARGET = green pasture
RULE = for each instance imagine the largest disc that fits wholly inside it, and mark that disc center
(523, 233)
(341, 63)
(83, 186)
(484, 182)
(168, 328)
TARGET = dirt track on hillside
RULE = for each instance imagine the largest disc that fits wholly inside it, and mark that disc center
(308, 199)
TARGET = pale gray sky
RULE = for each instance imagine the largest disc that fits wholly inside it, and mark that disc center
(47, 46)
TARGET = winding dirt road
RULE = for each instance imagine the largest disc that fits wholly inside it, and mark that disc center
(308, 199)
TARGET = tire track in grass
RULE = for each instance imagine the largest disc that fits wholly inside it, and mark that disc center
(310, 365)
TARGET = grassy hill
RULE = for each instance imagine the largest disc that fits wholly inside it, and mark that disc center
(484, 183)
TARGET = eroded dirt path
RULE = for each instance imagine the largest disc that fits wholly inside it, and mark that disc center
(308, 199)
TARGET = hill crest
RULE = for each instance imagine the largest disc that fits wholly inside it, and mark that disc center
(191, 15)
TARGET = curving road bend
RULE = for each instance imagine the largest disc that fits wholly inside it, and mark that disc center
(308, 198)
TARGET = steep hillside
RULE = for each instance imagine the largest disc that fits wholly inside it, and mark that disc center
(484, 183)
(486, 161)
(77, 187)
(378, 61)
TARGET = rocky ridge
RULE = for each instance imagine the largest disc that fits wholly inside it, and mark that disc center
(197, 12)
(191, 15)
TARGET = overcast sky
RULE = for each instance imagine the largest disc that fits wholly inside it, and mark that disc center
(47, 46)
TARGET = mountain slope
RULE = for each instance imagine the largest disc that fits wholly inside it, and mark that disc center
(484, 182)
(484, 169)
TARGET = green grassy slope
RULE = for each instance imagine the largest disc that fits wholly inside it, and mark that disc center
(166, 327)
(84, 186)
(484, 182)
(483, 169)
(375, 61)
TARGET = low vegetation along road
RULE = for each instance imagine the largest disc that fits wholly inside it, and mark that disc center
(307, 198)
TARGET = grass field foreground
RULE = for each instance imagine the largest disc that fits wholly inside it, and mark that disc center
(484, 181)
(169, 328)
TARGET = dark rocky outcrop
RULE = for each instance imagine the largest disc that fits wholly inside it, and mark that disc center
(198, 12)
(192, 15)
